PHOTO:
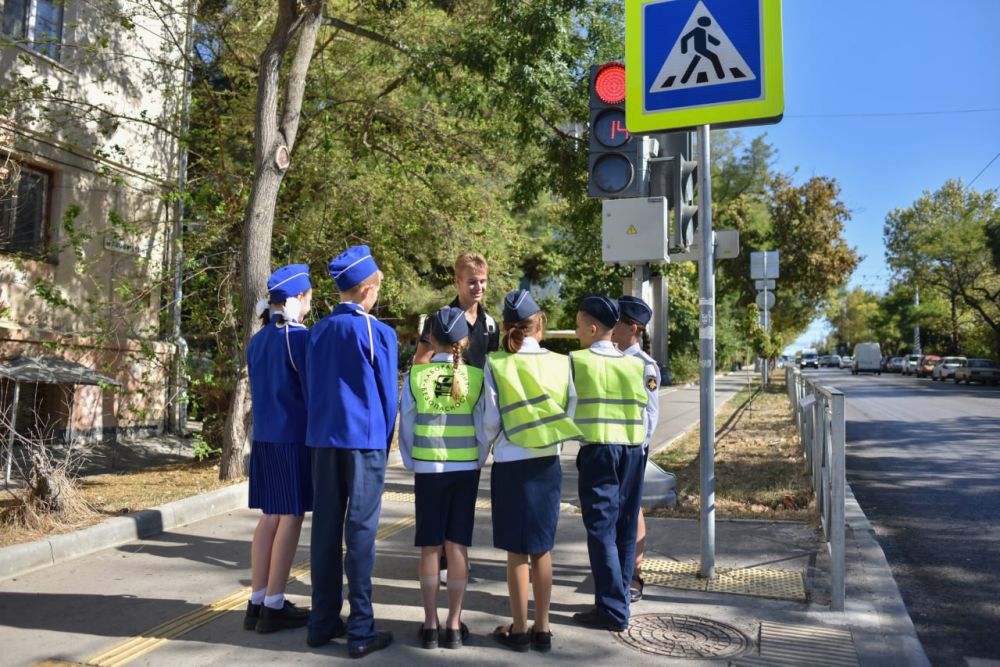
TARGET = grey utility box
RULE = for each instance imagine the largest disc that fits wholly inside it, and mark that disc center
(634, 231)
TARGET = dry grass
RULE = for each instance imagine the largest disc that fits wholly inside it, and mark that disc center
(120, 493)
(759, 467)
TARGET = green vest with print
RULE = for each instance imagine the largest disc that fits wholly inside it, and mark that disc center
(444, 430)
(611, 398)
(532, 392)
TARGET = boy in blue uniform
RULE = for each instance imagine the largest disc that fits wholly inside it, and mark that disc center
(610, 411)
(352, 397)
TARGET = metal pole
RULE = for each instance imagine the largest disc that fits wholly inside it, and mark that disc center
(838, 473)
(177, 414)
(706, 335)
(12, 434)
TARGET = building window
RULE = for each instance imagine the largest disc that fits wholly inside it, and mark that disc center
(24, 198)
(37, 23)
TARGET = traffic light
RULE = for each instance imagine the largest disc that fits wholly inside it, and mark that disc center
(683, 173)
(617, 162)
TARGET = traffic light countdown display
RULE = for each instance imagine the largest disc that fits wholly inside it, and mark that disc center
(617, 163)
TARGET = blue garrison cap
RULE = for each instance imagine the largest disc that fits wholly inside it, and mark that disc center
(601, 308)
(352, 266)
(518, 305)
(635, 309)
(449, 325)
(288, 281)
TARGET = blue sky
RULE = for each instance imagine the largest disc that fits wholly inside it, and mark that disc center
(852, 59)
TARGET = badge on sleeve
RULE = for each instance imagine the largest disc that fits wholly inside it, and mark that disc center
(651, 383)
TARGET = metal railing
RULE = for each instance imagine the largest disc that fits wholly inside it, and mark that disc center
(819, 415)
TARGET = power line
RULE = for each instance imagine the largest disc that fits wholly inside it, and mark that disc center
(981, 171)
(892, 114)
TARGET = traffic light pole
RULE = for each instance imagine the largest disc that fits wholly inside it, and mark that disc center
(706, 335)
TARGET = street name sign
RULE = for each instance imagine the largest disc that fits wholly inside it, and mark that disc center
(702, 62)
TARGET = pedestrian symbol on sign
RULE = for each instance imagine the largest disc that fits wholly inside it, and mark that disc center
(702, 56)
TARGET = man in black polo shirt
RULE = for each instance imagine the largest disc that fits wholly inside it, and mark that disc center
(471, 275)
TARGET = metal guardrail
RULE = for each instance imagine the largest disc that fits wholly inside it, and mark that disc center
(819, 416)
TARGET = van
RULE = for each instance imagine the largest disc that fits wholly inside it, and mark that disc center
(867, 359)
(807, 358)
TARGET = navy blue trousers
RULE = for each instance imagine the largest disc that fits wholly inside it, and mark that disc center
(610, 485)
(347, 501)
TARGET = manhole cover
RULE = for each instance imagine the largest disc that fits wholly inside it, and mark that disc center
(677, 636)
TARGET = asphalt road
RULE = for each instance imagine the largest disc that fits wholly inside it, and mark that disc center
(923, 459)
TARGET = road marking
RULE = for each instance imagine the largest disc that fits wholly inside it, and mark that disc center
(155, 637)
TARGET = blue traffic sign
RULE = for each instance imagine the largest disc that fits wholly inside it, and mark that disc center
(697, 62)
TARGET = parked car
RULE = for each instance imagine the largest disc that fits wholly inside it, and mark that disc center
(926, 365)
(846, 361)
(834, 361)
(894, 365)
(910, 362)
(867, 358)
(824, 361)
(977, 370)
(945, 368)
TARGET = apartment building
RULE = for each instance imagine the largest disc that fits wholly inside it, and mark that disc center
(91, 95)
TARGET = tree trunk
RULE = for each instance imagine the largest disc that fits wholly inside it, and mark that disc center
(272, 140)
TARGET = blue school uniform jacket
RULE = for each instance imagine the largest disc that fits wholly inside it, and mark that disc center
(351, 381)
(276, 362)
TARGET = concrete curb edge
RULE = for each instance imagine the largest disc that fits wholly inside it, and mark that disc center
(20, 559)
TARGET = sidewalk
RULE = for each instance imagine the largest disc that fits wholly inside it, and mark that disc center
(177, 598)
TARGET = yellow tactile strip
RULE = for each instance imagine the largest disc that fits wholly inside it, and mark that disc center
(135, 647)
(756, 581)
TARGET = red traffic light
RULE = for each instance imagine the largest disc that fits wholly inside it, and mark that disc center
(609, 84)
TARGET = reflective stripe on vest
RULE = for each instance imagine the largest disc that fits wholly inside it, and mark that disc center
(611, 398)
(532, 391)
(444, 429)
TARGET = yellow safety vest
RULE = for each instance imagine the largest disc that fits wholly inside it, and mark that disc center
(444, 430)
(532, 392)
(611, 398)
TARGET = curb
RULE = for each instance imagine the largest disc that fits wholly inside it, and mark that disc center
(872, 592)
(23, 558)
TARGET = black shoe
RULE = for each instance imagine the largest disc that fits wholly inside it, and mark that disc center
(454, 638)
(377, 643)
(635, 589)
(428, 637)
(289, 616)
(316, 639)
(253, 613)
(516, 641)
(541, 641)
(595, 619)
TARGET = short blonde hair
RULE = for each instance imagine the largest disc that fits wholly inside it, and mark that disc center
(373, 279)
(470, 260)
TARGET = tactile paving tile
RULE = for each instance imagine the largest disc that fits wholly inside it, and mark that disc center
(754, 581)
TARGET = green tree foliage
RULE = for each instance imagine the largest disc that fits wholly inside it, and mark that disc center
(941, 244)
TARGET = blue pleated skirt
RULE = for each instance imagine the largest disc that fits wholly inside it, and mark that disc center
(280, 478)
(525, 498)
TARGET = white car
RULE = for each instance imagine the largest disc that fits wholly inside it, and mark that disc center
(910, 362)
(945, 368)
(847, 361)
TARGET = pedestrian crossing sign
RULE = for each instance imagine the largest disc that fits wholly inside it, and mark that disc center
(702, 62)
